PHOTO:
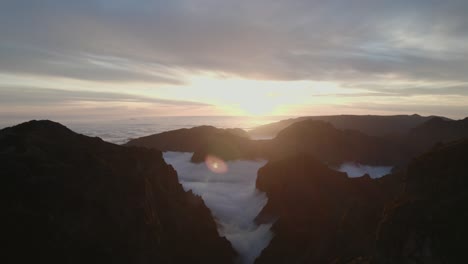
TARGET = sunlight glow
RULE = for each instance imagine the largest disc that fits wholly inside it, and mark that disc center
(237, 96)
(216, 164)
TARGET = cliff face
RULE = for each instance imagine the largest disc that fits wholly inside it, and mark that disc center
(416, 216)
(428, 221)
(322, 215)
(68, 198)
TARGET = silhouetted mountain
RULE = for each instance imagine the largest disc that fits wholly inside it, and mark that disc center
(328, 144)
(187, 140)
(323, 216)
(368, 124)
(436, 130)
(417, 216)
(428, 222)
(227, 144)
(333, 146)
(68, 198)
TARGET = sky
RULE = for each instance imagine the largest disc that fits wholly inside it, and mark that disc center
(111, 59)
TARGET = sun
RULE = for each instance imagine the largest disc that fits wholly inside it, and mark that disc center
(233, 95)
(258, 107)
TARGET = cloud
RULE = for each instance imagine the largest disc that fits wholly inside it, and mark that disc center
(29, 60)
(255, 39)
(232, 198)
(356, 170)
(45, 96)
(373, 48)
(461, 90)
(19, 104)
(438, 107)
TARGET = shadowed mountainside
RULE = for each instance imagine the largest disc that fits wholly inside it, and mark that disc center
(323, 216)
(71, 198)
(333, 146)
(417, 216)
(368, 124)
(319, 138)
(330, 145)
(427, 223)
(68, 198)
(436, 130)
(228, 144)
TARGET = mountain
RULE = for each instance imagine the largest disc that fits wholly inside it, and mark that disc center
(415, 216)
(427, 222)
(436, 130)
(227, 144)
(188, 140)
(68, 198)
(328, 144)
(368, 124)
(322, 215)
(333, 146)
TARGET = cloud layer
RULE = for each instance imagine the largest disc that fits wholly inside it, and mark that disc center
(232, 199)
(389, 49)
(357, 170)
(284, 39)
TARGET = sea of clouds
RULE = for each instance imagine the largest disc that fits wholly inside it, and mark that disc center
(356, 170)
(232, 198)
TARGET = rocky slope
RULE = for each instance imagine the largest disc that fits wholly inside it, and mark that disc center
(334, 146)
(68, 198)
(427, 223)
(416, 216)
(322, 215)
(435, 130)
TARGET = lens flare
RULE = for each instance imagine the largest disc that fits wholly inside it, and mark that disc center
(216, 164)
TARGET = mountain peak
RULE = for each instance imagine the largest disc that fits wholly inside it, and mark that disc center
(40, 125)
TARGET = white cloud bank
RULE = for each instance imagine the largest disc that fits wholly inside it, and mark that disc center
(232, 198)
(356, 170)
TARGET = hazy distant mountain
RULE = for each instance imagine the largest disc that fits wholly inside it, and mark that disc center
(369, 124)
(68, 198)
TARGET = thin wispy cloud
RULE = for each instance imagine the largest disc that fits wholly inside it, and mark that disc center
(37, 95)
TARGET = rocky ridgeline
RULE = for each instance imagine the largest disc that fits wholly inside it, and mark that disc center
(415, 216)
(68, 198)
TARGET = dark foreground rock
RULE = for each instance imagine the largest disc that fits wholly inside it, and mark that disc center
(428, 222)
(68, 198)
(322, 215)
(415, 216)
